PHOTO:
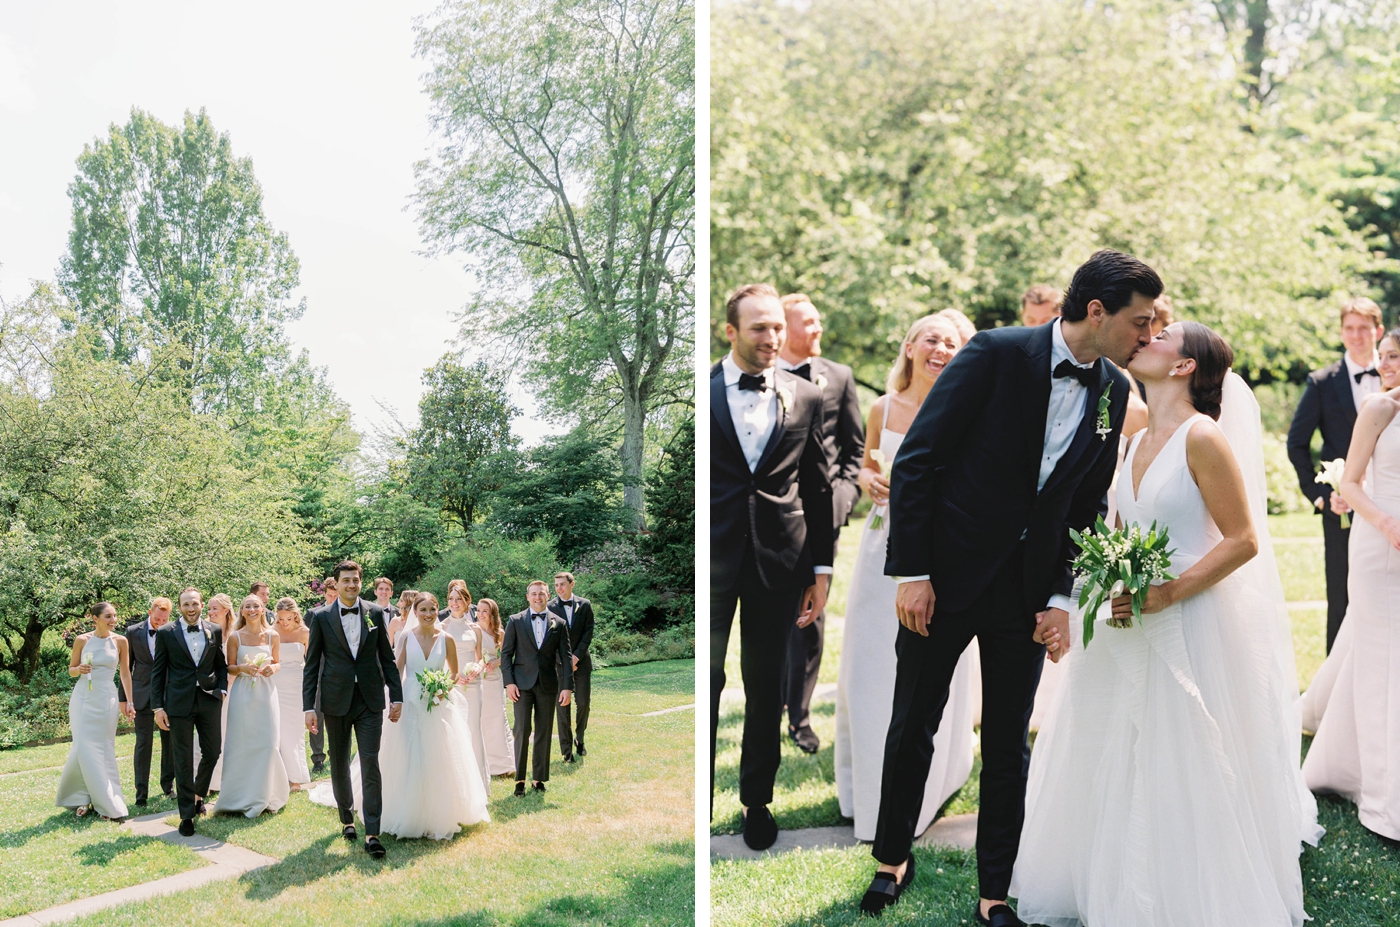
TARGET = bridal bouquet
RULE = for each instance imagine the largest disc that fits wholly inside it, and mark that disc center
(435, 686)
(1331, 475)
(877, 518)
(257, 661)
(1120, 561)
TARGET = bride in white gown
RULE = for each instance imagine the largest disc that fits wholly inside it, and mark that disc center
(1165, 788)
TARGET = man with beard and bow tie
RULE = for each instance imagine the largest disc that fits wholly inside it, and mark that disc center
(1330, 403)
(843, 438)
(537, 679)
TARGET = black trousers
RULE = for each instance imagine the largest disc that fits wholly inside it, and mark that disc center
(582, 695)
(318, 739)
(141, 759)
(534, 708)
(766, 619)
(1335, 539)
(1011, 665)
(804, 664)
(368, 727)
(206, 721)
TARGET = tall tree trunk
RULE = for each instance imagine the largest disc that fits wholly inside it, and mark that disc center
(633, 423)
(1256, 28)
(27, 661)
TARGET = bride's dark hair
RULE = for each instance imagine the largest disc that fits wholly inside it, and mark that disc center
(1213, 357)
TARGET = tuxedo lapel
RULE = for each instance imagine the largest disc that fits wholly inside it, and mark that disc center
(719, 408)
(332, 615)
(780, 425)
(1342, 388)
(1035, 387)
(1088, 428)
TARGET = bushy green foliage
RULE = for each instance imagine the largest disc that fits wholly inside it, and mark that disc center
(37, 709)
(494, 567)
(1281, 478)
(671, 543)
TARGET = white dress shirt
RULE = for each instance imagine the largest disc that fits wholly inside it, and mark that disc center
(151, 638)
(568, 611)
(350, 621)
(195, 642)
(1368, 385)
(753, 412)
(539, 624)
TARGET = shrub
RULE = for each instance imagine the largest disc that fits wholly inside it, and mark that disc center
(494, 567)
(1281, 478)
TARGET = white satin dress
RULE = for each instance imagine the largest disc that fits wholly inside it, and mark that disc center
(90, 775)
(255, 779)
(292, 741)
(464, 633)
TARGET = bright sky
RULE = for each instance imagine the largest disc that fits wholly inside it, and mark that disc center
(326, 100)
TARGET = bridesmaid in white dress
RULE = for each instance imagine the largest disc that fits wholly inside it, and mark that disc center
(255, 779)
(495, 728)
(467, 636)
(220, 612)
(1354, 703)
(90, 778)
(292, 637)
(431, 782)
(865, 681)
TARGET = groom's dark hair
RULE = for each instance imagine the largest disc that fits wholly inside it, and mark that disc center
(1112, 278)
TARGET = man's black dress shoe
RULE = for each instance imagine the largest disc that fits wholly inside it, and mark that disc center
(578, 748)
(1000, 915)
(187, 828)
(806, 739)
(318, 769)
(199, 808)
(538, 786)
(519, 789)
(569, 758)
(140, 802)
(170, 794)
(885, 890)
(760, 830)
(374, 848)
(348, 832)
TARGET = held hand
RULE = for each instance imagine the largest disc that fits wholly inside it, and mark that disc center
(1157, 599)
(311, 721)
(1052, 630)
(395, 710)
(914, 605)
(162, 719)
(814, 600)
(564, 698)
(514, 692)
(1339, 505)
(575, 659)
(127, 711)
(84, 669)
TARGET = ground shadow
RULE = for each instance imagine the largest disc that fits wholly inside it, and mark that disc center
(59, 820)
(100, 854)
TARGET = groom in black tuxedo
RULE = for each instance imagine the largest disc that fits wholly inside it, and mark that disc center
(538, 677)
(141, 644)
(349, 640)
(771, 530)
(1015, 445)
(189, 681)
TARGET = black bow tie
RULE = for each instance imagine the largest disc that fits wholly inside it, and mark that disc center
(349, 611)
(749, 381)
(1086, 376)
(1368, 372)
(805, 371)
(537, 616)
(191, 629)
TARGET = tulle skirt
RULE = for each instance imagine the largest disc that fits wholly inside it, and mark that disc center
(432, 783)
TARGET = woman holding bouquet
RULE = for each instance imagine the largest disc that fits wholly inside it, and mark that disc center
(431, 742)
(292, 637)
(90, 779)
(499, 758)
(1354, 702)
(255, 778)
(865, 683)
(467, 637)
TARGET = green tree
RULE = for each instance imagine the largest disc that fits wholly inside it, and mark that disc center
(463, 420)
(567, 176)
(671, 543)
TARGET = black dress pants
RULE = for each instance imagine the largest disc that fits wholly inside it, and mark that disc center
(534, 709)
(1335, 539)
(206, 721)
(368, 727)
(141, 758)
(804, 664)
(1011, 664)
(766, 619)
(578, 707)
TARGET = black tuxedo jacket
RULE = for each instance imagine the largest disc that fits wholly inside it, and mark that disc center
(1327, 404)
(341, 673)
(843, 434)
(141, 665)
(580, 632)
(525, 666)
(963, 487)
(175, 679)
(782, 511)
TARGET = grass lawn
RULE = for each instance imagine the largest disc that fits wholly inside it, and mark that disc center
(609, 843)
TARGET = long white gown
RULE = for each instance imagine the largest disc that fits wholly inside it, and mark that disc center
(1164, 786)
(865, 690)
(495, 725)
(90, 775)
(292, 742)
(1354, 702)
(255, 780)
(432, 784)
(463, 632)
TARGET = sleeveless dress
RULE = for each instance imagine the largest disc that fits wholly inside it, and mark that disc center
(865, 689)
(292, 743)
(432, 784)
(463, 632)
(1354, 702)
(255, 780)
(1164, 787)
(90, 775)
(495, 728)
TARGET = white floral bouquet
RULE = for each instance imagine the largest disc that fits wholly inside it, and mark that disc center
(473, 671)
(877, 518)
(257, 661)
(1114, 562)
(1331, 475)
(87, 661)
(434, 686)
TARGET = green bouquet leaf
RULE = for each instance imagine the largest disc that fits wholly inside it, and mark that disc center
(1114, 562)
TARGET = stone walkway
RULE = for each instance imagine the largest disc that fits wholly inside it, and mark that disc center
(225, 862)
(667, 711)
(959, 830)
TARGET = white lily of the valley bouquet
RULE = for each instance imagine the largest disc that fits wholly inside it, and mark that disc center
(877, 517)
(1331, 475)
(87, 661)
(258, 661)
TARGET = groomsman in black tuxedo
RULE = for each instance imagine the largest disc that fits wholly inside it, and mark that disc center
(1330, 402)
(843, 437)
(318, 736)
(383, 592)
(771, 530)
(262, 591)
(577, 613)
(141, 641)
(536, 678)
(189, 680)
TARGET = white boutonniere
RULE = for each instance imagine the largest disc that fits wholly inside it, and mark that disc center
(208, 638)
(1104, 426)
(820, 381)
(369, 625)
(785, 397)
